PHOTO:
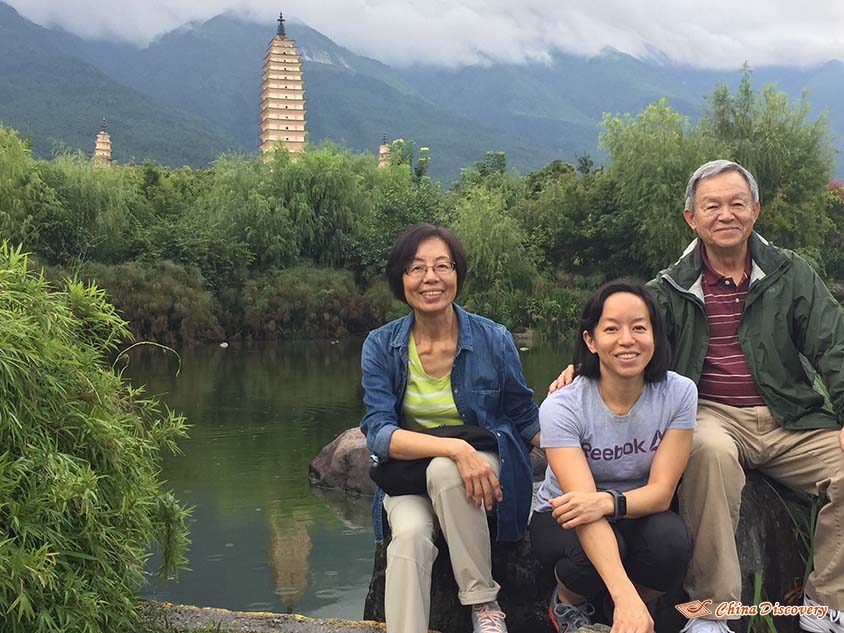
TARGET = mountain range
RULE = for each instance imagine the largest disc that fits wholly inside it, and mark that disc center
(195, 93)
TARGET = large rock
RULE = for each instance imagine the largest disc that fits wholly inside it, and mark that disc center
(766, 544)
(538, 463)
(177, 618)
(173, 618)
(344, 464)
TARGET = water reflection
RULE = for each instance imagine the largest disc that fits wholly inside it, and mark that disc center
(289, 550)
(263, 539)
(352, 511)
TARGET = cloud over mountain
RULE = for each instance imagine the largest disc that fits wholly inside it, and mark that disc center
(467, 32)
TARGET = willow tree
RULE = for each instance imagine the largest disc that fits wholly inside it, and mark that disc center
(400, 199)
(239, 200)
(652, 156)
(789, 154)
(80, 498)
(96, 219)
(323, 190)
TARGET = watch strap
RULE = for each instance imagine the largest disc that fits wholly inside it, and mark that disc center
(619, 505)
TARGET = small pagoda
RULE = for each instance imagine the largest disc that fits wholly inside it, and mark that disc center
(384, 152)
(282, 95)
(102, 147)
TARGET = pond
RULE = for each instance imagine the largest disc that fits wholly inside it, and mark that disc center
(262, 538)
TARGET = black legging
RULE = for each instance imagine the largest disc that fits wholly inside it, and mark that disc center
(655, 551)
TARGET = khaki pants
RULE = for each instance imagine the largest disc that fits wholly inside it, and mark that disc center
(414, 522)
(726, 441)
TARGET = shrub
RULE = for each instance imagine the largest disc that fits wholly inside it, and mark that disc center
(383, 305)
(311, 302)
(80, 499)
(552, 308)
(555, 311)
(163, 301)
(196, 243)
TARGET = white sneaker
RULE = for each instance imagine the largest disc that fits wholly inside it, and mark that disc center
(488, 618)
(832, 622)
(699, 625)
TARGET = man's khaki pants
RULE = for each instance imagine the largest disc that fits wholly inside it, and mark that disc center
(414, 522)
(726, 441)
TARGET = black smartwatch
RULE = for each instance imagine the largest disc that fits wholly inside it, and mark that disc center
(619, 502)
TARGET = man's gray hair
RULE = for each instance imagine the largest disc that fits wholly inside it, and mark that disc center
(714, 168)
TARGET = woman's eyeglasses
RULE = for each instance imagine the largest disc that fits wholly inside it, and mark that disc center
(419, 270)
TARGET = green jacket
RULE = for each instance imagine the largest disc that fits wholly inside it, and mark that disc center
(789, 318)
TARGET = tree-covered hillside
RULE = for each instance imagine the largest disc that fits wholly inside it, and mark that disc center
(213, 70)
(56, 100)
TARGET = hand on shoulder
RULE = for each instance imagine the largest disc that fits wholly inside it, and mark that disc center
(565, 378)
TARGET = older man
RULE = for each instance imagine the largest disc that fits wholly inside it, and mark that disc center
(743, 317)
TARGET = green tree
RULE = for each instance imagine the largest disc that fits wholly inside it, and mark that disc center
(323, 189)
(585, 164)
(423, 162)
(495, 244)
(163, 301)
(306, 301)
(833, 246)
(169, 192)
(790, 156)
(652, 156)
(575, 226)
(28, 206)
(554, 172)
(490, 173)
(404, 153)
(97, 219)
(399, 200)
(239, 201)
(191, 240)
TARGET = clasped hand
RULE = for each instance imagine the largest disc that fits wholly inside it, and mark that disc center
(481, 483)
(631, 616)
(579, 508)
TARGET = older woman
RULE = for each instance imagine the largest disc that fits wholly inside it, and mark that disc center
(441, 365)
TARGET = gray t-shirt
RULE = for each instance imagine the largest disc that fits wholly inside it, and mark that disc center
(618, 448)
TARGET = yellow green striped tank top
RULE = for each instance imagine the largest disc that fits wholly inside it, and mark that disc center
(428, 402)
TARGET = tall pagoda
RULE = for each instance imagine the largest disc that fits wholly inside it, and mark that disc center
(282, 95)
(102, 147)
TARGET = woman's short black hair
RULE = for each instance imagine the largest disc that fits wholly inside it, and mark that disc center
(587, 362)
(404, 250)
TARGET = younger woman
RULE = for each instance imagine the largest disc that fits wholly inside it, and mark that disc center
(617, 439)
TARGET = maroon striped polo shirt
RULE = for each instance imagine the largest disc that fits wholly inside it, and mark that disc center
(725, 377)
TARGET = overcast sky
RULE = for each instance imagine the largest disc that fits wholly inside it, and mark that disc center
(713, 34)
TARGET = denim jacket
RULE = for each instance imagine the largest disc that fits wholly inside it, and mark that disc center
(489, 390)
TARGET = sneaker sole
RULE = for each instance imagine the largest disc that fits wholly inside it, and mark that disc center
(553, 619)
(814, 625)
